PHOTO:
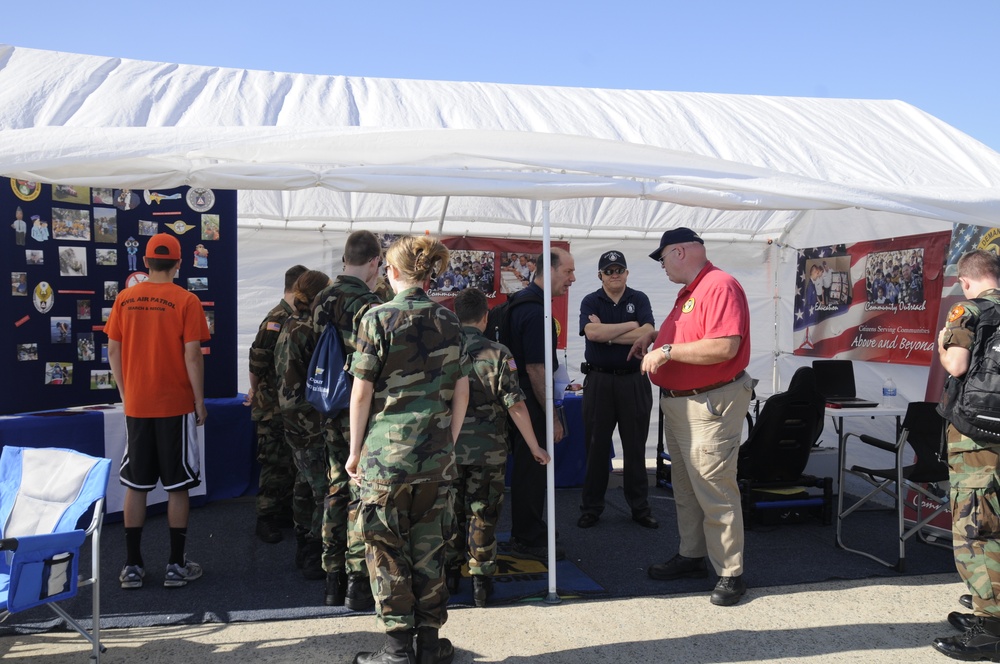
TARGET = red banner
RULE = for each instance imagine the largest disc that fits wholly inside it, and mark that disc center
(874, 301)
(498, 267)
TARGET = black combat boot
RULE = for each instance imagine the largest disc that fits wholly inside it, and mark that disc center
(359, 593)
(398, 649)
(482, 588)
(268, 531)
(431, 649)
(312, 561)
(301, 540)
(336, 583)
(452, 579)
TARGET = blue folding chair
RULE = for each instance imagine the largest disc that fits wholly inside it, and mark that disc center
(43, 495)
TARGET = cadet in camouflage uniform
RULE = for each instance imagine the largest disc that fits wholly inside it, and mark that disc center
(304, 430)
(481, 448)
(975, 483)
(342, 304)
(277, 469)
(408, 402)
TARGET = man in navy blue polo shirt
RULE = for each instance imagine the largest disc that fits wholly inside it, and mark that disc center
(615, 392)
(528, 531)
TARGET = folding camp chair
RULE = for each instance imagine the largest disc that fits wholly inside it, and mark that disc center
(43, 495)
(923, 430)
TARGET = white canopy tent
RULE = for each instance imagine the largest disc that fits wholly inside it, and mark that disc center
(758, 177)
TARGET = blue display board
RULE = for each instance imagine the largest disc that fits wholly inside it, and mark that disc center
(69, 250)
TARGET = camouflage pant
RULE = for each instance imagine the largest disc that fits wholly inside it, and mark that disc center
(975, 526)
(304, 434)
(478, 499)
(343, 543)
(405, 527)
(277, 471)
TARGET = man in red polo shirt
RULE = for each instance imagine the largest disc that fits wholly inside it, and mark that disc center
(698, 360)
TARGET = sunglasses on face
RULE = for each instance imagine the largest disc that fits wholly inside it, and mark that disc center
(613, 270)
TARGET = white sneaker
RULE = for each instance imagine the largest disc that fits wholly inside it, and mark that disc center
(178, 577)
(131, 577)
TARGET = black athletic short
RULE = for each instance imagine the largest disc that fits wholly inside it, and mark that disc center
(163, 449)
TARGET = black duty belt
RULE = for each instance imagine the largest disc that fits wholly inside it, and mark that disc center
(617, 372)
(700, 390)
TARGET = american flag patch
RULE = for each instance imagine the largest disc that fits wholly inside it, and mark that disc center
(274, 327)
(511, 364)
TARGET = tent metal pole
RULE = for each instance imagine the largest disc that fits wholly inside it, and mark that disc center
(444, 214)
(550, 470)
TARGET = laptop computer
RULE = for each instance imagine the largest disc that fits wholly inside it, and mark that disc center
(835, 380)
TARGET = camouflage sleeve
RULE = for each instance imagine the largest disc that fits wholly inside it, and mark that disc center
(294, 351)
(366, 363)
(960, 327)
(359, 307)
(508, 387)
(464, 361)
(262, 348)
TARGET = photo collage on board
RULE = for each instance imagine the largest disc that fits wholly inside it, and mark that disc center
(72, 250)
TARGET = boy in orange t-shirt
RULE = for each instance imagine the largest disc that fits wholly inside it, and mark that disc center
(154, 333)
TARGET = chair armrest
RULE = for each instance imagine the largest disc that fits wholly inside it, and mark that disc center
(873, 441)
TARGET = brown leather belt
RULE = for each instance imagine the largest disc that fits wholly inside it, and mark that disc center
(700, 390)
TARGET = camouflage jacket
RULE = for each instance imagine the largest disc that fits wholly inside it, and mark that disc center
(265, 401)
(292, 353)
(493, 389)
(960, 330)
(411, 350)
(344, 302)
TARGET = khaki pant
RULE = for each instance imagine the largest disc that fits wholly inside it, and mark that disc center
(702, 435)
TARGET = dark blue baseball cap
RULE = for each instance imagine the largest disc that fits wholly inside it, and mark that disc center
(675, 236)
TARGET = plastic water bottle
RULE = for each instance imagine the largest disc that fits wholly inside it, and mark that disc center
(559, 382)
(888, 393)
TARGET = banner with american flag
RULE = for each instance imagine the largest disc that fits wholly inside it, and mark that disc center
(964, 238)
(874, 301)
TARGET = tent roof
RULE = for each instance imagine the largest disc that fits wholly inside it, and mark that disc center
(476, 157)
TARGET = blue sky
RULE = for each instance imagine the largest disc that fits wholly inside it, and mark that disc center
(940, 57)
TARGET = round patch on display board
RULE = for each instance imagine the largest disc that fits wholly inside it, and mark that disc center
(200, 199)
(956, 312)
(688, 306)
(43, 297)
(26, 190)
(135, 278)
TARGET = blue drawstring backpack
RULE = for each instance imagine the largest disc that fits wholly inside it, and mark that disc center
(328, 386)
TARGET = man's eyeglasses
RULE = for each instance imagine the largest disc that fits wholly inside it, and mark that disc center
(613, 270)
(663, 257)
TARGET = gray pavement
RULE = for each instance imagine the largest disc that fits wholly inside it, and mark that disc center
(871, 621)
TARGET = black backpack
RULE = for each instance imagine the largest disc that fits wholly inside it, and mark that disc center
(498, 319)
(972, 403)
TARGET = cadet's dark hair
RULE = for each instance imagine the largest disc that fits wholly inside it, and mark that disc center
(291, 274)
(419, 257)
(979, 264)
(161, 264)
(471, 306)
(361, 247)
(307, 287)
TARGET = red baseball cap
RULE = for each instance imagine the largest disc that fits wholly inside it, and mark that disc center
(165, 246)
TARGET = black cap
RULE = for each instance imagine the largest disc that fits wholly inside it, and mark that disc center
(675, 236)
(611, 258)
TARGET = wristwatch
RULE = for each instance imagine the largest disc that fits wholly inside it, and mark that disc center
(666, 348)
